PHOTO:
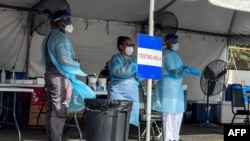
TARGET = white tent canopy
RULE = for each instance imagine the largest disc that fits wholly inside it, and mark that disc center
(204, 30)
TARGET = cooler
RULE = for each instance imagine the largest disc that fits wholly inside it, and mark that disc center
(224, 113)
(196, 112)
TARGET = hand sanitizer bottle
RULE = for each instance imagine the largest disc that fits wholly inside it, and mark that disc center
(3, 76)
(13, 77)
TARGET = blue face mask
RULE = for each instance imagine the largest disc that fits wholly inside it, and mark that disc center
(175, 47)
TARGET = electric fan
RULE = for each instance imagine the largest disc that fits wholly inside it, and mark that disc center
(43, 14)
(165, 23)
(213, 80)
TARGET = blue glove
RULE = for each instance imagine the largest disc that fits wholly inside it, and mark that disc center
(194, 71)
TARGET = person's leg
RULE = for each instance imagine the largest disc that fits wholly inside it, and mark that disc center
(167, 121)
(48, 114)
(56, 114)
(177, 125)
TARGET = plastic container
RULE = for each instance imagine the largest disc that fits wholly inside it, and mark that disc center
(107, 119)
(13, 77)
(92, 82)
(185, 88)
(3, 76)
(102, 84)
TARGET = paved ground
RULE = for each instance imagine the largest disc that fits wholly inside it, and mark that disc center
(189, 132)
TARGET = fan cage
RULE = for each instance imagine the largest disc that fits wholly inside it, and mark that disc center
(43, 14)
(217, 66)
(166, 22)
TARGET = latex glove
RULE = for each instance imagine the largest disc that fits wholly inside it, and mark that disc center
(194, 71)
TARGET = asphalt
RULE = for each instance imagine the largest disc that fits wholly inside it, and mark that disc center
(189, 132)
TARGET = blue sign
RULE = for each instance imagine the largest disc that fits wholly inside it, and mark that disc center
(149, 57)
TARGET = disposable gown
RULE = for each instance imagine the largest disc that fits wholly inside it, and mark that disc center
(124, 84)
(61, 53)
(168, 95)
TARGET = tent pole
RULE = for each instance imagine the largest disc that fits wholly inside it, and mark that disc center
(15, 7)
(28, 42)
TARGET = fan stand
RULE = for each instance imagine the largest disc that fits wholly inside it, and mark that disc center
(209, 92)
(207, 110)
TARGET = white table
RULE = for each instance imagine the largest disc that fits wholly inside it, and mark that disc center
(9, 87)
(14, 90)
(101, 92)
(21, 85)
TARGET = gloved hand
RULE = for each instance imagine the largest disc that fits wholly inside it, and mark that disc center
(194, 71)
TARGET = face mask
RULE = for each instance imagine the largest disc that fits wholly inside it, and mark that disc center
(69, 28)
(175, 47)
(129, 50)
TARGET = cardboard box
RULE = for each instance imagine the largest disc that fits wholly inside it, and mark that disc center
(37, 108)
(33, 119)
(34, 111)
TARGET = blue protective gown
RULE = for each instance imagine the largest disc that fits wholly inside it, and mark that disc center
(168, 95)
(123, 84)
(61, 53)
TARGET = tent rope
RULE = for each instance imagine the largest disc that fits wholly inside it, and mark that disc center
(235, 66)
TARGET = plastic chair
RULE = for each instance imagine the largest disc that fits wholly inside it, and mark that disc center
(156, 117)
(238, 105)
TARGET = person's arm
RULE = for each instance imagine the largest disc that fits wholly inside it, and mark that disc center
(121, 69)
(64, 56)
(173, 68)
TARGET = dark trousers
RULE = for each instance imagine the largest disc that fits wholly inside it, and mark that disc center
(56, 110)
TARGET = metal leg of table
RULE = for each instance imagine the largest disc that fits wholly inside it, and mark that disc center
(13, 112)
(14, 116)
(78, 127)
(1, 103)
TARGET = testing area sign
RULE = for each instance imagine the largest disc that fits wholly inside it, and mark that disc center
(149, 57)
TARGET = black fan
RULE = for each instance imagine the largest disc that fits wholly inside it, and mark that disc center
(213, 80)
(165, 23)
(43, 14)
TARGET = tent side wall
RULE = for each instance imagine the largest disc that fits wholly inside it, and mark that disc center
(96, 43)
(13, 37)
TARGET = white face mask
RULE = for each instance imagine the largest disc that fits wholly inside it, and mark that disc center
(69, 28)
(129, 50)
(175, 47)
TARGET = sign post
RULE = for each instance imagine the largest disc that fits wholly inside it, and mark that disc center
(149, 60)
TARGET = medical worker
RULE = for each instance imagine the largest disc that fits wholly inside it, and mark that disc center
(65, 92)
(168, 95)
(123, 84)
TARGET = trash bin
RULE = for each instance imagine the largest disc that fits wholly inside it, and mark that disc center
(185, 88)
(107, 119)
